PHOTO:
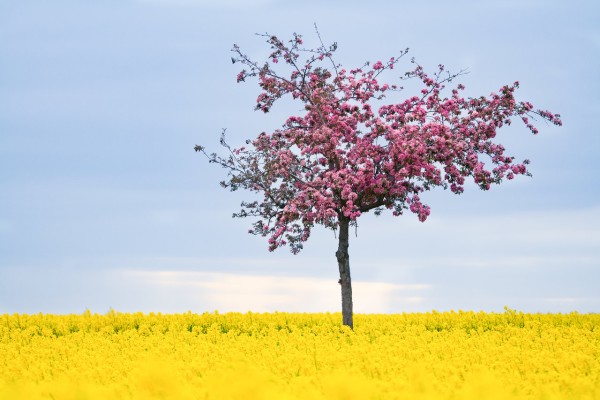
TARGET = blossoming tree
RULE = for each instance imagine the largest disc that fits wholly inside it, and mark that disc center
(342, 158)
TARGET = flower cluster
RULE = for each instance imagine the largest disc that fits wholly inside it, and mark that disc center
(341, 158)
(450, 355)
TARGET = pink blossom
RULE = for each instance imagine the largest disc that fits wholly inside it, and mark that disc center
(345, 154)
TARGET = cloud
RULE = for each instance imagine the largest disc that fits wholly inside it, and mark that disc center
(241, 293)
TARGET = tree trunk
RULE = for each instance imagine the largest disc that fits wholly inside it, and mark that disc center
(344, 265)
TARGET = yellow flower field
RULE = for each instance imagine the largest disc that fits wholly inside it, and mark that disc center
(450, 355)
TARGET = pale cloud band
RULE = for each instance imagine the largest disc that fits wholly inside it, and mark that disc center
(242, 293)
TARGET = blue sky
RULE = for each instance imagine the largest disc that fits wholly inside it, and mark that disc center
(104, 204)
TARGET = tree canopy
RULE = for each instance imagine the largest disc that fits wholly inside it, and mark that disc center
(342, 157)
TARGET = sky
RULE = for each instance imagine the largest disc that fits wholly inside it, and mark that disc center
(105, 205)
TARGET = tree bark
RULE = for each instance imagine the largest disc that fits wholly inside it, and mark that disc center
(344, 265)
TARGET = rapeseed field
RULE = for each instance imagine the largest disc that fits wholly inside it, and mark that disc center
(449, 355)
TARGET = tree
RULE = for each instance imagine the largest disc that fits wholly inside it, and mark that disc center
(342, 158)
